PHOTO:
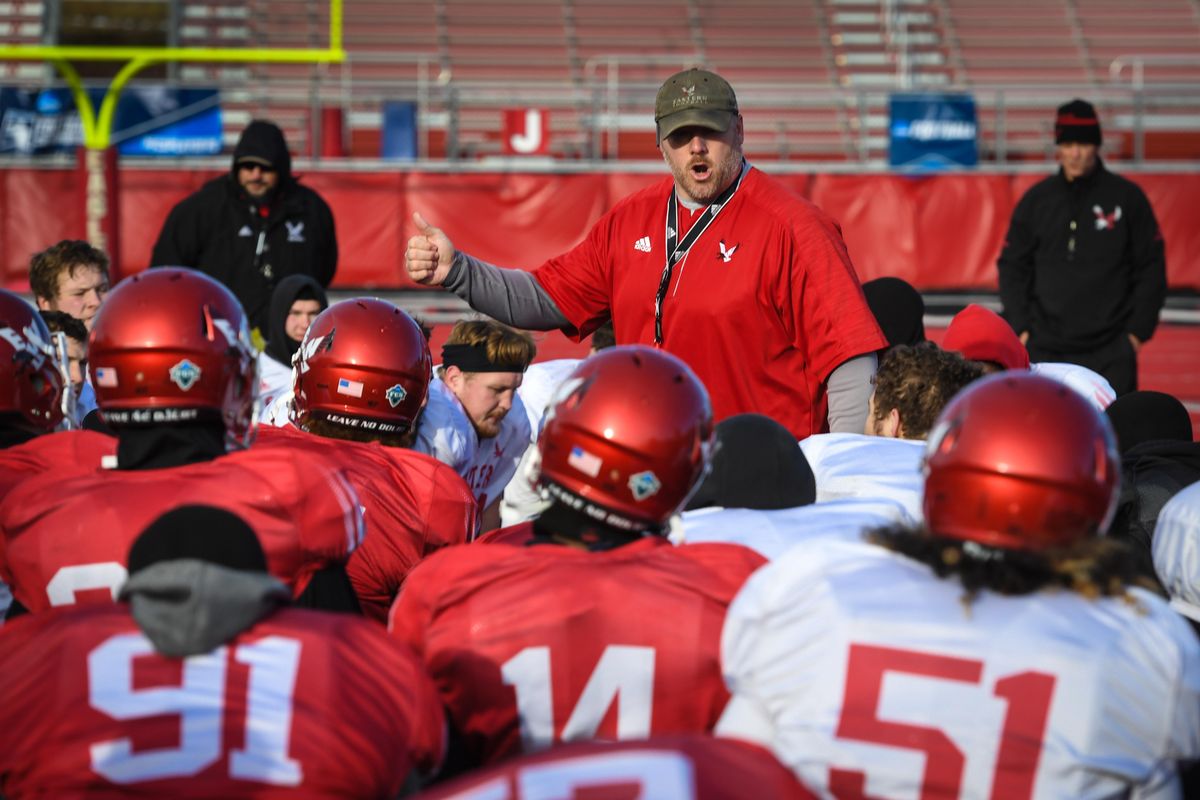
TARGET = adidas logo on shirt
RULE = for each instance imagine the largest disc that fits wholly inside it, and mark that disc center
(245, 231)
(642, 244)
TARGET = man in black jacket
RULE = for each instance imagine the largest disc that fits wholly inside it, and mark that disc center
(252, 227)
(1083, 270)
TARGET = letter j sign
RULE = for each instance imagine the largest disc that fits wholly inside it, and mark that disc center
(526, 131)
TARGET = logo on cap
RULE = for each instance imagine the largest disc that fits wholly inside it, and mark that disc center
(184, 374)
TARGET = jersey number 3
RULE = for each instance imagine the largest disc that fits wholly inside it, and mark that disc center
(1027, 694)
(199, 702)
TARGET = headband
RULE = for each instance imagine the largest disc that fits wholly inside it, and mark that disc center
(474, 358)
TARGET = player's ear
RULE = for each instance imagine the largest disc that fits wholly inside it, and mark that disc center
(453, 377)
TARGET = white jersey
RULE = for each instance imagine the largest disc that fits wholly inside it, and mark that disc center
(274, 379)
(279, 413)
(522, 500)
(865, 673)
(538, 386)
(446, 433)
(772, 533)
(856, 465)
(1176, 545)
(1091, 385)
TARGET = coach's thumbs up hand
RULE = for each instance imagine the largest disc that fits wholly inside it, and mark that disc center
(429, 254)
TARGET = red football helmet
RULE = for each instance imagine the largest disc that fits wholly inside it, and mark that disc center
(171, 345)
(363, 364)
(32, 381)
(1020, 461)
(627, 437)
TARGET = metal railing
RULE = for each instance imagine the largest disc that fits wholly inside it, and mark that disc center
(785, 123)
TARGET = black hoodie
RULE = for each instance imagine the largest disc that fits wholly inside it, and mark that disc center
(279, 346)
(246, 244)
(1083, 263)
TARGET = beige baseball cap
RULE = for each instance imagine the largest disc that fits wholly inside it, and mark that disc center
(694, 97)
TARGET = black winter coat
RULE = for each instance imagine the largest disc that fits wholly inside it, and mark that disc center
(216, 230)
(1083, 263)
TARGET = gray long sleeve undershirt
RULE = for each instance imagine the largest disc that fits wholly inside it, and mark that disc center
(512, 296)
(849, 390)
(515, 298)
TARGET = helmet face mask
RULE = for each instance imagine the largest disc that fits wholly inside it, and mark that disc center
(1021, 462)
(627, 438)
(33, 382)
(363, 365)
(171, 346)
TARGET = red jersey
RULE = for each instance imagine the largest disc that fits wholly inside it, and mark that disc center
(66, 538)
(536, 645)
(60, 452)
(303, 704)
(764, 306)
(679, 767)
(413, 505)
(519, 534)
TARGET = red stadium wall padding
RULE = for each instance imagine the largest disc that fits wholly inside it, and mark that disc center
(936, 232)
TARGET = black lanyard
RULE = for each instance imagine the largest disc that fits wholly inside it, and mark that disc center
(678, 249)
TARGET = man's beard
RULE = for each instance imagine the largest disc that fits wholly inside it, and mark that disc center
(489, 427)
(723, 172)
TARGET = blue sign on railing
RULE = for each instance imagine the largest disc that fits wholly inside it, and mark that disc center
(150, 121)
(929, 132)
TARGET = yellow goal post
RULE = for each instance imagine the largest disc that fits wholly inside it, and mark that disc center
(97, 127)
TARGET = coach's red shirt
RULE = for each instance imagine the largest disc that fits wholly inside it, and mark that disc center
(66, 539)
(764, 307)
(692, 767)
(303, 704)
(413, 505)
(541, 644)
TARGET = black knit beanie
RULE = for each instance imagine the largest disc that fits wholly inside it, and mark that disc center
(898, 308)
(1148, 416)
(758, 464)
(199, 532)
(1077, 122)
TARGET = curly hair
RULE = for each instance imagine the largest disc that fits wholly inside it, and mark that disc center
(66, 256)
(1095, 567)
(918, 381)
(604, 337)
(58, 321)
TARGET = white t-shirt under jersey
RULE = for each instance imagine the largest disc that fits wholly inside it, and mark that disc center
(772, 533)
(864, 672)
(446, 433)
(860, 466)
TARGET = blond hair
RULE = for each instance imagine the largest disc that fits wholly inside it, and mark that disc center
(505, 346)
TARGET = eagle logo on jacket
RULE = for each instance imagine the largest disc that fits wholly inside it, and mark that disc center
(1106, 222)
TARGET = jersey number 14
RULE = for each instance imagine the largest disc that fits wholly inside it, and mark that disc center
(624, 673)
